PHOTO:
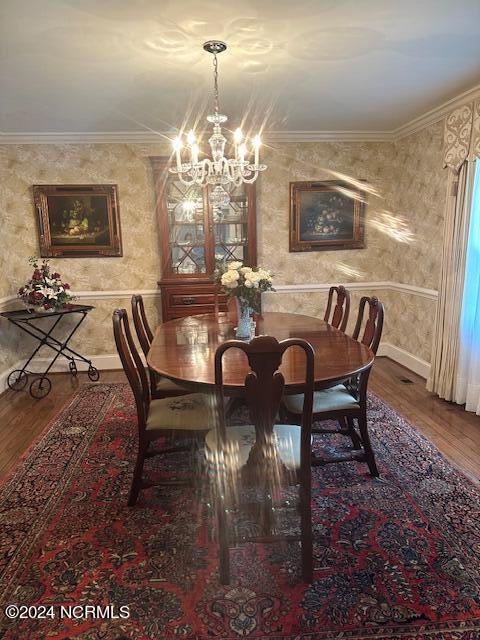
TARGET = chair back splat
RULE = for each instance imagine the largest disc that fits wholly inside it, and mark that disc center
(144, 332)
(263, 455)
(132, 364)
(341, 311)
(372, 332)
(264, 386)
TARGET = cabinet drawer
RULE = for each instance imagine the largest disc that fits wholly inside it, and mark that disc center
(191, 298)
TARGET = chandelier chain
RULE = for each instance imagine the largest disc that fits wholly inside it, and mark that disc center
(215, 83)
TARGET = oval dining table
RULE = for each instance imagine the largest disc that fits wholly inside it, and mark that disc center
(183, 350)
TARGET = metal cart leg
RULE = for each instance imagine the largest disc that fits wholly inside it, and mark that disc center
(41, 385)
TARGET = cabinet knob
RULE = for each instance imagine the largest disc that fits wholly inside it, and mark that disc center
(188, 300)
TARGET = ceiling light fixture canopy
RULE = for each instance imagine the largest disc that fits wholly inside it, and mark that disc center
(218, 170)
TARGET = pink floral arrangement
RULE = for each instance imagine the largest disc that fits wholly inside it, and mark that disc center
(45, 290)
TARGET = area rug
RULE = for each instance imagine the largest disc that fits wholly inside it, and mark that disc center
(395, 558)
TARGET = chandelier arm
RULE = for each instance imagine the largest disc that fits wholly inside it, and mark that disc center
(187, 183)
(252, 179)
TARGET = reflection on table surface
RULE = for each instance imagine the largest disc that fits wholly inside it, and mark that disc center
(184, 349)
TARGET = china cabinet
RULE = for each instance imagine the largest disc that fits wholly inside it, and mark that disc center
(194, 235)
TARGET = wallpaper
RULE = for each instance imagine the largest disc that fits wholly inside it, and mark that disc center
(403, 234)
(320, 161)
(417, 191)
(403, 231)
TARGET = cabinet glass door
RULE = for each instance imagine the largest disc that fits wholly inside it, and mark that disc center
(186, 223)
(230, 227)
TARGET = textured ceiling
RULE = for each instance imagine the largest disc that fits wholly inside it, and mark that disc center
(305, 65)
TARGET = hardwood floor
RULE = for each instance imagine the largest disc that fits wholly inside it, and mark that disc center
(454, 431)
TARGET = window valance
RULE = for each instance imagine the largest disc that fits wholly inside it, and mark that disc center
(462, 135)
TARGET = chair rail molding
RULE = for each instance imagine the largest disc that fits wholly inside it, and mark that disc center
(112, 361)
(316, 287)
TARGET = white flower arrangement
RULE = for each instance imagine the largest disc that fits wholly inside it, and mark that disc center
(245, 283)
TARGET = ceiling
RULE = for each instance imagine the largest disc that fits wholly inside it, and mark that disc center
(296, 65)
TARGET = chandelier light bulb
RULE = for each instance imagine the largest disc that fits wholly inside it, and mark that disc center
(238, 136)
(191, 137)
(257, 141)
(242, 151)
(177, 144)
(195, 151)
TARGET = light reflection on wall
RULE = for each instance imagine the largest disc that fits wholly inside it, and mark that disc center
(350, 272)
(393, 226)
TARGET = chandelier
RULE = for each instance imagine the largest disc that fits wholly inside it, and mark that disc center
(217, 171)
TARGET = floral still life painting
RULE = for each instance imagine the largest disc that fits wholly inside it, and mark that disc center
(78, 220)
(326, 215)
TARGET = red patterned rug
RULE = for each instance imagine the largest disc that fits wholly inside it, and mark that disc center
(395, 558)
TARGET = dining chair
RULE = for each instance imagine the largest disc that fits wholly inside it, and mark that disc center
(186, 418)
(261, 456)
(341, 311)
(347, 402)
(160, 387)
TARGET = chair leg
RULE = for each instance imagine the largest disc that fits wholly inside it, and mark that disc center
(223, 542)
(137, 473)
(350, 427)
(306, 533)
(369, 455)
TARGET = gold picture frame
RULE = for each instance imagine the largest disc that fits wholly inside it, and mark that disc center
(78, 220)
(326, 215)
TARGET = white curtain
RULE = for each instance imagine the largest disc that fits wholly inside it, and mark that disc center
(461, 148)
(468, 370)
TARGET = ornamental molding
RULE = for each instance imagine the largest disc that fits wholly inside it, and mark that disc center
(161, 137)
(430, 294)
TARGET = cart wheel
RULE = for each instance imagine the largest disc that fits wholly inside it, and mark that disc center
(72, 365)
(40, 387)
(17, 379)
(93, 373)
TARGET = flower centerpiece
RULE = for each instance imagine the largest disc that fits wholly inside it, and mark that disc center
(246, 284)
(45, 292)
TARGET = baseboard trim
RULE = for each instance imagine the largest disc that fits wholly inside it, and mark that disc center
(38, 365)
(405, 358)
(112, 361)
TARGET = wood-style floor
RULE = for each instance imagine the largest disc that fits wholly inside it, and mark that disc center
(454, 431)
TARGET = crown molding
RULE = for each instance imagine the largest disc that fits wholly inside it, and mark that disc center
(327, 136)
(163, 137)
(75, 137)
(159, 137)
(436, 114)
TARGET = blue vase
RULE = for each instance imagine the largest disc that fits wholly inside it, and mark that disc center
(244, 328)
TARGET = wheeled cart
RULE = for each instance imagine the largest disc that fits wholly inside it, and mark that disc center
(28, 321)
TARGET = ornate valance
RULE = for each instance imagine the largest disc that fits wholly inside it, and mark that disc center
(462, 135)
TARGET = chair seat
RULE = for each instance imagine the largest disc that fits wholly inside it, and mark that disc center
(191, 412)
(164, 385)
(241, 438)
(334, 399)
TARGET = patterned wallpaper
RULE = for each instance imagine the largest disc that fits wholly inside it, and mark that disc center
(406, 178)
(318, 161)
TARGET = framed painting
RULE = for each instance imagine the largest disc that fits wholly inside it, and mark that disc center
(78, 220)
(326, 215)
